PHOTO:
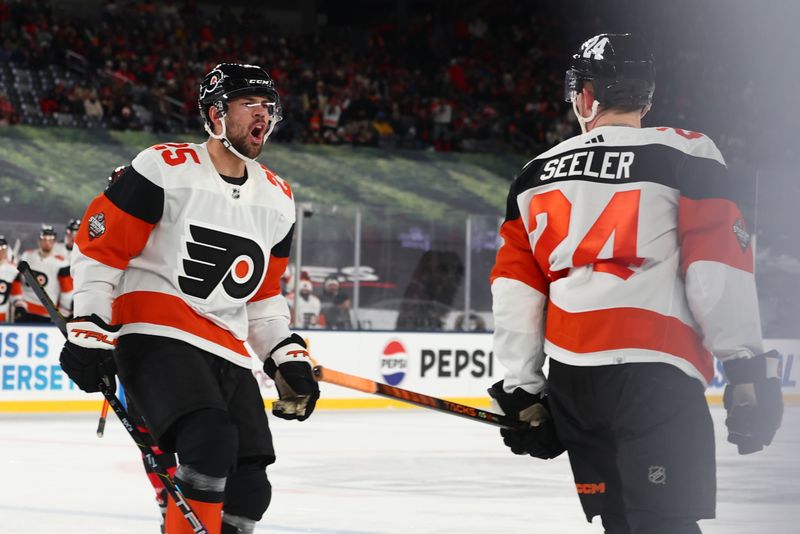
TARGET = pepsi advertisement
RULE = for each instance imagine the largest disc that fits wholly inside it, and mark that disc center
(454, 366)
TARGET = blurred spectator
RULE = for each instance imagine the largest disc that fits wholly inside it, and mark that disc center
(442, 113)
(331, 287)
(8, 113)
(92, 106)
(337, 316)
(306, 308)
(8, 272)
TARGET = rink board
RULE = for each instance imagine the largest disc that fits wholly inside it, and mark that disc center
(456, 366)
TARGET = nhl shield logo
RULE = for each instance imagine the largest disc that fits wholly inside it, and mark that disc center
(657, 474)
(97, 225)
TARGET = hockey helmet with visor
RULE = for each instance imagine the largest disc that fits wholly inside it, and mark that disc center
(227, 81)
(621, 69)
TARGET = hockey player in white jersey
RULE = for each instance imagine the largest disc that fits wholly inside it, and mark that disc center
(8, 273)
(64, 248)
(52, 271)
(180, 260)
(306, 309)
(626, 260)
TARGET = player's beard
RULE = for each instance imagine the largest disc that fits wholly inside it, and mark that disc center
(242, 144)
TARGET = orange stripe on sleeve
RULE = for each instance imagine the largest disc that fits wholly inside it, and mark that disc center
(707, 230)
(627, 328)
(36, 309)
(65, 283)
(16, 288)
(515, 259)
(271, 285)
(160, 309)
(116, 239)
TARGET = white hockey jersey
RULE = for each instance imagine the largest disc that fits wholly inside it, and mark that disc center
(624, 245)
(52, 271)
(8, 273)
(171, 249)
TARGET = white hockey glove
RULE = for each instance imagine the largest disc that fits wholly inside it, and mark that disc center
(753, 400)
(289, 365)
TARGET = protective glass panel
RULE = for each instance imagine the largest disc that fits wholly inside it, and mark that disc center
(325, 241)
(483, 244)
(413, 271)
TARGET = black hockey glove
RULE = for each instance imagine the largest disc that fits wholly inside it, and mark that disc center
(87, 356)
(539, 439)
(289, 365)
(20, 314)
(753, 400)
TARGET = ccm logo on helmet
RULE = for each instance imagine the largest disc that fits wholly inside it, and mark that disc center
(218, 258)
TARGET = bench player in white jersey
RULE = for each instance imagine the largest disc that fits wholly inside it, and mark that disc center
(64, 248)
(627, 261)
(8, 273)
(306, 309)
(52, 271)
(180, 259)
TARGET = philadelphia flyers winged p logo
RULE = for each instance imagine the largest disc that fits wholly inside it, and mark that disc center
(217, 257)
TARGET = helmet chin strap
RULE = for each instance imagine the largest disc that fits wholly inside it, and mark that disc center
(222, 138)
(583, 121)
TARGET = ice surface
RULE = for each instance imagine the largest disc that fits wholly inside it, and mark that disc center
(363, 472)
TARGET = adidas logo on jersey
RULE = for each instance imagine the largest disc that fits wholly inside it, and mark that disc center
(598, 139)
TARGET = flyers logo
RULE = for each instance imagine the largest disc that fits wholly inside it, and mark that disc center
(5, 289)
(220, 258)
(40, 277)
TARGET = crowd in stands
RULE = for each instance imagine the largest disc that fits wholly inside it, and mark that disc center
(488, 77)
(461, 85)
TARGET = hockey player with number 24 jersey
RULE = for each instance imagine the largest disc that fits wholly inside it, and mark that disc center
(626, 260)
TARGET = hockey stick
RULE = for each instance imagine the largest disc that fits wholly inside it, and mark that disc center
(144, 442)
(101, 423)
(366, 385)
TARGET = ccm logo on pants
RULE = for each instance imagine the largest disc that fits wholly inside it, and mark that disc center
(453, 363)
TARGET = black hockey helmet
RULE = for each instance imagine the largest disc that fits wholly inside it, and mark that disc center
(620, 67)
(228, 80)
(3, 242)
(73, 225)
(47, 231)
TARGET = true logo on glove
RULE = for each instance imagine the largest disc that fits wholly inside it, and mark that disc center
(296, 353)
(89, 334)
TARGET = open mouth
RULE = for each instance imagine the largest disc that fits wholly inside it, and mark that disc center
(257, 133)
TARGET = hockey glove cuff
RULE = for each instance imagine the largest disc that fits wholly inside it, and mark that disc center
(753, 400)
(538, 438)
(87, 356)
(290, 366)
